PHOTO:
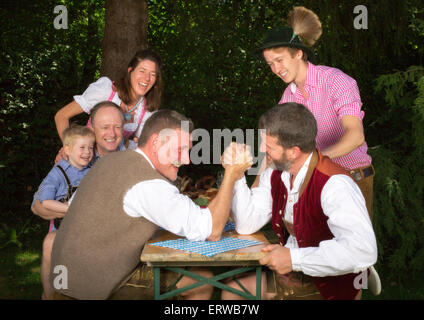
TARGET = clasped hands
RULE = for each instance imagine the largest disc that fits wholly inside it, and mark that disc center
(236, 159)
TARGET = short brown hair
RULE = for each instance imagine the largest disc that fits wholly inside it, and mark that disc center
(293, 52)
(292, 124)
(74, 131)
(163, 119)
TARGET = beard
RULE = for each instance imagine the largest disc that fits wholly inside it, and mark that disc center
(282, 164)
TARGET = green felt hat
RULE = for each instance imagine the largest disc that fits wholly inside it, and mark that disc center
(283, 37)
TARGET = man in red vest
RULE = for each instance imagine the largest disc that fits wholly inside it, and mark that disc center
(326, 240)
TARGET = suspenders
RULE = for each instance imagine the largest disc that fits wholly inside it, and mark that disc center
(70, 191)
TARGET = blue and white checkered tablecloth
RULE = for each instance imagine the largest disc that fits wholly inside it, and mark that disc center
(207, 248)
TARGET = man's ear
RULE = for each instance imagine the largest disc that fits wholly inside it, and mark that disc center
(129, 69)
(154, 142)
(294, 152)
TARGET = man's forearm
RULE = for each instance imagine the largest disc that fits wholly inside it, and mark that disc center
(220, 206)
(352, 138)
(44, 212)
(236, 160)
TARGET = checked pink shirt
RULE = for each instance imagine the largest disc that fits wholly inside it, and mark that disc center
(332, 95)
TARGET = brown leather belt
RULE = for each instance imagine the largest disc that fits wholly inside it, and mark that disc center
(362, 173)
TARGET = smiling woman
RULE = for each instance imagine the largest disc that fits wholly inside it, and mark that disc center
(138, 93)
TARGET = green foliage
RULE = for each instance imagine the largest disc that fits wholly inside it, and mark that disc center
(210, 71)
(399, 184)
(40, 71)
(12, 235)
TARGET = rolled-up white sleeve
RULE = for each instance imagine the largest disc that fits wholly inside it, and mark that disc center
(252, 208)
(96, 92)
(354, 247)
(162, 204)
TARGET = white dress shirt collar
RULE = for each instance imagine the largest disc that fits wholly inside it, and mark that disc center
(285, 176)
(138, 150)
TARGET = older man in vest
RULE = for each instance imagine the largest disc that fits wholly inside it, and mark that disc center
(123, 200)
(326, 241)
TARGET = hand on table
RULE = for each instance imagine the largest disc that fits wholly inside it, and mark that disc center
(278, 258)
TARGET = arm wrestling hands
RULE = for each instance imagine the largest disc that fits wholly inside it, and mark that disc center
(235, 160)
(276, 257)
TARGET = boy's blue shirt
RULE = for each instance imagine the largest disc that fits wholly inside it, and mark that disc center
(54, 186)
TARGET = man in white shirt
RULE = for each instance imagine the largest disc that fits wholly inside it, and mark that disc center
(122, 201)
(318, 213)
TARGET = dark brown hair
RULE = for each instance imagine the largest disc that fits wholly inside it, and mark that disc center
(293, 124)
(293, 52)
(154, 96)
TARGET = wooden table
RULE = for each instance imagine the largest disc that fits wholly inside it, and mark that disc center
(243, 260)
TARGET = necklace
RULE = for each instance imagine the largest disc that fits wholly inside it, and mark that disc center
(128, 111)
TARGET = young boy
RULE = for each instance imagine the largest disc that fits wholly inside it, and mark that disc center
(59, 185)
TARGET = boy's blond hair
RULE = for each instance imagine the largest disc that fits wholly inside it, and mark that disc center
(71, 133)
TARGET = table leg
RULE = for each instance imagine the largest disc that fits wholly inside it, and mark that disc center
(156, 284)
(258, 282)
(214, 281)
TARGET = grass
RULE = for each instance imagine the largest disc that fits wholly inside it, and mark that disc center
(20, 270)
(20, 274)
(20, 260)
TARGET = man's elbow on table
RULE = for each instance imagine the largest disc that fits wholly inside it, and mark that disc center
(214, 237)
(217, 229)
(244, 229)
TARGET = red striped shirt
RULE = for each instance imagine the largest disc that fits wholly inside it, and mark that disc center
(332, 95)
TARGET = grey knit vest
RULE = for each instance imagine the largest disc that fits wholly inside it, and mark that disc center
(98, 243)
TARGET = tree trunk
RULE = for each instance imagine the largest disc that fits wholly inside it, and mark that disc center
(125, 33)
(92, 41)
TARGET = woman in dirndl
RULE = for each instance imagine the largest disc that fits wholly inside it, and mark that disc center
(138, 93)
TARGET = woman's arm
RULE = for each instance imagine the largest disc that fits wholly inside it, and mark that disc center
(64, 114)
